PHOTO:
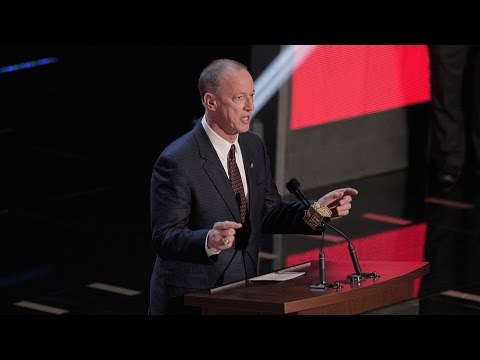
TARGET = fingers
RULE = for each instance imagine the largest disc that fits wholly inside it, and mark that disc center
(349, 191)
(343, 195)
(222, 235)
(331, 197)
(225, 225)
(347, 199)
(343, 210)
(339, 201)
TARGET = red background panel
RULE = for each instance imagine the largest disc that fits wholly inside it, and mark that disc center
(403, 244)
(336, 82)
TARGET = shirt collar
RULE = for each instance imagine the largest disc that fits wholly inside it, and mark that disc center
(221, 145)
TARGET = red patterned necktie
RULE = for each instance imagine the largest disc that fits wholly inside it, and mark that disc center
(236, 181)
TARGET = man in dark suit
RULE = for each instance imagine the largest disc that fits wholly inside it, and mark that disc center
(210, 199)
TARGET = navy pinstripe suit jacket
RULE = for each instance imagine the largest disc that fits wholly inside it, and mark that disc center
(189, 192)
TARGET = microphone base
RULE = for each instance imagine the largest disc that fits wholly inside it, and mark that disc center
(324, 285)
(354, 278)
(372, 275)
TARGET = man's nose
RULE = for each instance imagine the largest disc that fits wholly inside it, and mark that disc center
(249, 105)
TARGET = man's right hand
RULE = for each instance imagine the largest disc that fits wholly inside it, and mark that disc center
(222, 235)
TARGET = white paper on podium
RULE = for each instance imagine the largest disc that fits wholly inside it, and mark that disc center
(278, 276)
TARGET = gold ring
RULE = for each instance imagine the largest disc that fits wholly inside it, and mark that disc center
(224, 241)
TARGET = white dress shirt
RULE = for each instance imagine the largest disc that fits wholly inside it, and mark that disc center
(222, 147)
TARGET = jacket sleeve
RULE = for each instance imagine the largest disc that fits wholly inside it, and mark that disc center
(281, 217)
(170, 211)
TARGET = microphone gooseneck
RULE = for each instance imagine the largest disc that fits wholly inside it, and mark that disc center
(321, 269)
(241, 243)
(317, 217)
(351, 250)
(293, 186)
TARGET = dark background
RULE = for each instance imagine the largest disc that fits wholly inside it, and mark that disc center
(78, 140)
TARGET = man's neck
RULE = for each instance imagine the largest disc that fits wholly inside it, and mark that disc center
(218, 130)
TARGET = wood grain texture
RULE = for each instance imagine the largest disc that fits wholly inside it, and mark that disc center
(295, 296)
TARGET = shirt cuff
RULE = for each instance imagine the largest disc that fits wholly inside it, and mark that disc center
(211, 251)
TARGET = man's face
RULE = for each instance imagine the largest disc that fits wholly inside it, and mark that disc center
(235, 102)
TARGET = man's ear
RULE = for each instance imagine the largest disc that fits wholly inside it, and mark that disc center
(210, 102)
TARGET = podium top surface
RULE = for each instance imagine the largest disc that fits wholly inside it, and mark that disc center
(295, 295)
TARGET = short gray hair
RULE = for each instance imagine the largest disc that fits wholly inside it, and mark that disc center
(209, 78)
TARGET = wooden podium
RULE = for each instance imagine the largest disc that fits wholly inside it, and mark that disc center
(295, 296)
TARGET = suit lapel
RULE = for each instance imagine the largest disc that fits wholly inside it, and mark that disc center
(215, 171)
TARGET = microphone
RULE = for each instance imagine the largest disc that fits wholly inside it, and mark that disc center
(358, 275)
(294, 187)
(353, 255)
(316, 212)
(242, 237)
(322, 270)
(319, 215)
(311, 217)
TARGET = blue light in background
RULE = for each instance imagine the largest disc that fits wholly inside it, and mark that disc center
(28, 64)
